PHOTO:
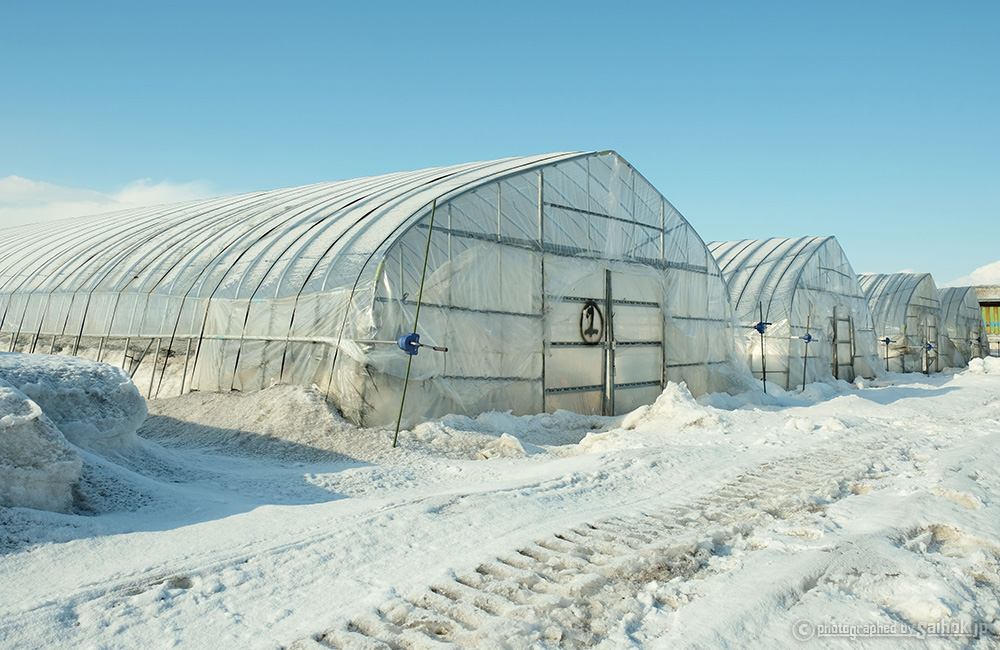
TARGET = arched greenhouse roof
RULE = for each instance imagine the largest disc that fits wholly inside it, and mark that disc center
(892, 295)
(271, 244)
(959, 306)
(765, 272)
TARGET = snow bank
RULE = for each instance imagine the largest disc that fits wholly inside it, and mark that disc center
(674, 405)
(94, 405)
(293, 423)
(985, 366)
(503, 435)
(38, 468)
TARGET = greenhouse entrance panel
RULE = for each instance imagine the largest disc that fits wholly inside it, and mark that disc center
(605, 340)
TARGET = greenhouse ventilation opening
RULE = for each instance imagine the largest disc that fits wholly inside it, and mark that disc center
(964, 331)
(560, 281)
(815, 319)
(907, 311)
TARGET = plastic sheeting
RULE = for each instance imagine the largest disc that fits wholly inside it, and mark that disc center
(302, 285)
(820, 323)
(962, 322)
(907, 311)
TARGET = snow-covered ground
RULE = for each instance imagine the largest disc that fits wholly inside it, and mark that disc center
(844, 516)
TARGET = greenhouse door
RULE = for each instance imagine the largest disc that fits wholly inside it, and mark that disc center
(604, 347)
(843, 346)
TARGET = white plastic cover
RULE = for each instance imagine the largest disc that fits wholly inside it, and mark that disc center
(962, 320)
(820, 323)
(907, 312)
(293, 285)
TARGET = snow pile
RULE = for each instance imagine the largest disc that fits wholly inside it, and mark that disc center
(985, 366)
(95, 405)
(503, 435)
(675, 405)
(38, 468)
(675, 410)
(292, 423)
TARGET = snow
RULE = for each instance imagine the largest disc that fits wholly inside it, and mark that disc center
(95, 405)
(865, 511)
(38, 468)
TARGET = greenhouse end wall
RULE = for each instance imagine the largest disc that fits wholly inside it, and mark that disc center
(512, 267)
(962, 324)
(820, 326)
(907, 312)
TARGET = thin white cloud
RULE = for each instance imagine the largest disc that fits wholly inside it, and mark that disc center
(24, 201)
(989, 274)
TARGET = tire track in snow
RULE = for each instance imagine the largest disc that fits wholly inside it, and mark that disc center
(574, 587)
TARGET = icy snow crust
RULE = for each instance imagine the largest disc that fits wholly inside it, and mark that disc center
(38, 468)
(263, 520)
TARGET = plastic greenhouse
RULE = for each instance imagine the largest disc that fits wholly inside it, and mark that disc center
(561, 281)
(962, 322)
(907, 311)
(816, 321)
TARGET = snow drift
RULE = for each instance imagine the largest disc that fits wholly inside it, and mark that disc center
(95, 405)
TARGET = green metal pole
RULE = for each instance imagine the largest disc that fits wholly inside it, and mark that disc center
(763, 357)
(416, 318)
(805, 358)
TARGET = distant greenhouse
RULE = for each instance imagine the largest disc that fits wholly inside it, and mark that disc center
(555, 281)
(962, 321)
(907, 311)
(818, 323)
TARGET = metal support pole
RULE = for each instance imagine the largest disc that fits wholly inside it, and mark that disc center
(805, 358)
(152, 371)
(763, 356)
(609, 344)
(416, 317)
(187, 357)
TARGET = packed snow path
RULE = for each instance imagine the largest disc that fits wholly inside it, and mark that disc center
(737, 522)
(579, 585)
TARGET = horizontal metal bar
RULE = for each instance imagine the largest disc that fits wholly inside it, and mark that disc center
(601, 215)
(636, 303)
(639, 384)
(574, 389)
(532, 380)
(577, 344)
(383, 299)
(699, 363)
(574, 299)
(570, 251)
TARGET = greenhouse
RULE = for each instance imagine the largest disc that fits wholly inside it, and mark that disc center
(964, 334)
(560, 281)
(907, 311)
(803, 315)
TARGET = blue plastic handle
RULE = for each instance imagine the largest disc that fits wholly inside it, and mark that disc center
(409, 343)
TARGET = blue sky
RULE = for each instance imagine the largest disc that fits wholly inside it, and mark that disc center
(873, 121)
